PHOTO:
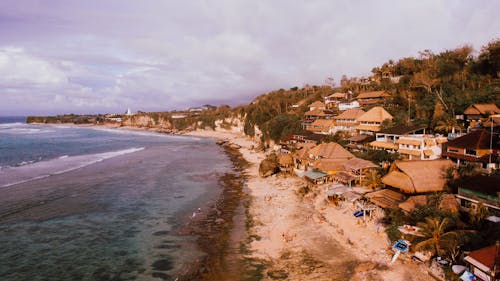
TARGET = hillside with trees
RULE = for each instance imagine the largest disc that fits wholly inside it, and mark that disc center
(429, 89)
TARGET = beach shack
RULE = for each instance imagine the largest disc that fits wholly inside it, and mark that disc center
(485, 263)
(385, 198)
(315, 176)
(358, 167)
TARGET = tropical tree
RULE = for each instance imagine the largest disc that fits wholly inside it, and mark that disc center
(372, 179)
(479, 214)
(436, 237)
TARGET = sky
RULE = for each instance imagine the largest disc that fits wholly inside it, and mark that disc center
(104, 56)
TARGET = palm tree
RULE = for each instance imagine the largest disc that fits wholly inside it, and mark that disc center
(371, 179)
(436, 238)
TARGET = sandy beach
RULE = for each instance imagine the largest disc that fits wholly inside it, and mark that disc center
(306, 238)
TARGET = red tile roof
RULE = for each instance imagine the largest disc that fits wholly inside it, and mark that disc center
(487, 256)
(479, 139)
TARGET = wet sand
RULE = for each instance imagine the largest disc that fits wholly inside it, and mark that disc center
(294, 237)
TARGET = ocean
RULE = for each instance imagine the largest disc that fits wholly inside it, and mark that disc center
(88, 203)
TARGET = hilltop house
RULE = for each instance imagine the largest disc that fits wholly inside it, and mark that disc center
(348, 105)
(370, 98)
(410, 141)
(418, 176)
(477, 147)
(317, 105)
(321, 126)
(476, 113)
(347, 120)
(335, 100)
(485, 263)
(312, 115)
(371, 121)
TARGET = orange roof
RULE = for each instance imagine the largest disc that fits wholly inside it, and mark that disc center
(409, 141)
(383, 144)
(371, 95)
(331, 150)
(487, 108)
(337, 95)
(329, 166)
(352, 114)
(317, 104)
(376, 114)
(315, 112)
(487, 256)
(418, 176)
(372, 128)
(322, 123)
(410, 151)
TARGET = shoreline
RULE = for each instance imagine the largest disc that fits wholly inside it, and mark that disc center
(286, 236)
(297, 237)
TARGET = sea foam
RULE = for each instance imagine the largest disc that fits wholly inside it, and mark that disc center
(10, 176)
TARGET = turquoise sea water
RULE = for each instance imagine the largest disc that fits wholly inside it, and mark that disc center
(101, 204)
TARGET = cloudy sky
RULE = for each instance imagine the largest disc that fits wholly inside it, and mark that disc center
(90, 56)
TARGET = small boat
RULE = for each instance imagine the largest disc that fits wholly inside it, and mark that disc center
(401, 245)
(457, 269)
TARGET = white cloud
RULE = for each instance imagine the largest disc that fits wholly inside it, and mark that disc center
(17, 68)
(91, 56)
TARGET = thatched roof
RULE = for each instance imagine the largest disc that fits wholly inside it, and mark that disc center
(385, 145)
(376, 114)
(317, 104)
(413, 202)
(323, 123)
(356, 164)
(449, 203)
(329, 166)
(372, 95)
(302, 151)
(409, 151)
(409, 141)
(337, 95)
(315, 112)
(331, 150)
(344, 177)
(285, 159)
(372, 128)
(418, 176)
(385, 198)
(482, 109)
(350, 114)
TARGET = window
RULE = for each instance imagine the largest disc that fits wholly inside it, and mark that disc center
(470, 151)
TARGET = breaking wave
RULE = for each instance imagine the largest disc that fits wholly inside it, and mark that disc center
(10, 176)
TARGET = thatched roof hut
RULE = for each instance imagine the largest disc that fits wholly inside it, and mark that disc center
(377, 114)
(418, 176)
(357, 165)
(413, 202)
(329, 166)
(385, 198)
(331, 150)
